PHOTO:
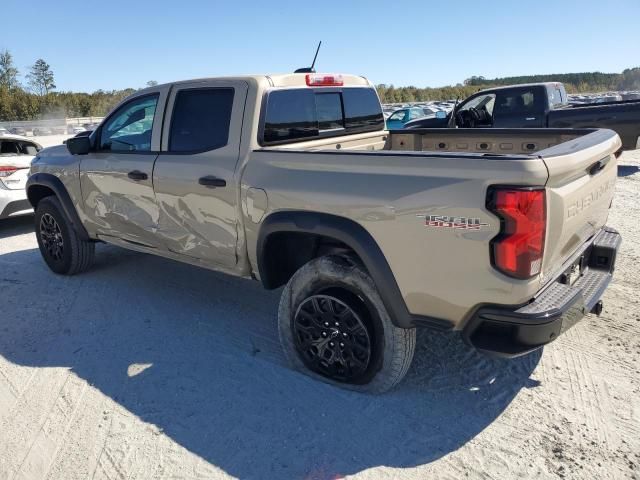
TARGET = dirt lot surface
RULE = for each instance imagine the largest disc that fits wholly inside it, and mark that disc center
(145, 368)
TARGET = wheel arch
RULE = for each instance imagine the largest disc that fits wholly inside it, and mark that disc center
(41, 185)
(345, 234)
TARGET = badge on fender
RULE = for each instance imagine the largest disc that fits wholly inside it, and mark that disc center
(458, 223)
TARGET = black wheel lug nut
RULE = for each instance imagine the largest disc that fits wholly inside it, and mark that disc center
(342, 344)
(326, 324)
(337, 324)
(331, 344)
(324, 334)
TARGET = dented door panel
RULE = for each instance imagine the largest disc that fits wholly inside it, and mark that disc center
(117, 205)
(197, 192)
(117, 185)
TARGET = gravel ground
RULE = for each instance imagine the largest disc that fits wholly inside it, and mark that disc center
(146, 368)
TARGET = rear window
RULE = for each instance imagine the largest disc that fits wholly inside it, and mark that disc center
(291, 115)
(362, 109)
(329, 110)
(201, 119)
(555, 96)
(300, 114)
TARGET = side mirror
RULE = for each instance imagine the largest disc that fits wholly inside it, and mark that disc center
(79, 145)
(441, 114)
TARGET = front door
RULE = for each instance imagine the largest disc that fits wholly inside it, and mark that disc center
(116, 176)
(194, 173)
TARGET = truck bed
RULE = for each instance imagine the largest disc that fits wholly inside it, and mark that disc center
(518, 141)
(622, 116)
(389, 181)
(476, 140)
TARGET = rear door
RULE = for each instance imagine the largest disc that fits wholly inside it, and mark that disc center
(520, 108)
(116, 178)
(194, 173)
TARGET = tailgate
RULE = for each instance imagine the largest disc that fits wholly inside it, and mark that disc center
(582, 176)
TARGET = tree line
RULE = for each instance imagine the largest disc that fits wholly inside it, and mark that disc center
(39, 97)
(587, 82)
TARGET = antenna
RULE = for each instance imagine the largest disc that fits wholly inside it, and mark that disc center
(316, 56)
(310, 69)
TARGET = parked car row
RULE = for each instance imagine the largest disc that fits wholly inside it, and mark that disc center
(580, 98)
(397, 116)
(43, 130)
(539, 105)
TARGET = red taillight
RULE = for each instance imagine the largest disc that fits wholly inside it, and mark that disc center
(324, 80)
(518, 250)
(6, 171)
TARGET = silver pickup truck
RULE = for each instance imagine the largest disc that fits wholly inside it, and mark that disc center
(292, 180)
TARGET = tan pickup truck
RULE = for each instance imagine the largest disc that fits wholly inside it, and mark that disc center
(292, 180)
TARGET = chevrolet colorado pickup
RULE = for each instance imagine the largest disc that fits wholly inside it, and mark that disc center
(539, 105)
(292, 180)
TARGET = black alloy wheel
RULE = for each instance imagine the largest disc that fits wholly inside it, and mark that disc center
(332, 337)
(51, 237)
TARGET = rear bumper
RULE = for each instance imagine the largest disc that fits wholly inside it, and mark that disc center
(18, 207)
(13, 202)
(515, 331)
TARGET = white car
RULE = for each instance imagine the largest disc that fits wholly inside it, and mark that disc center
(73, 129)
(16, 154)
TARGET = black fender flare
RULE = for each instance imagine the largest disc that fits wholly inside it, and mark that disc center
(357, 238)
(53, 183)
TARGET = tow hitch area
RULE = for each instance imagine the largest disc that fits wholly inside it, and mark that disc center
(511, 332)
(597, 308)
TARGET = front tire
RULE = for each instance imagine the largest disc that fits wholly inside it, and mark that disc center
(60, 246)
(334, 327)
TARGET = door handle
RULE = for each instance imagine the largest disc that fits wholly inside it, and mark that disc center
(137, 175)
(212, 182)
(530, 118)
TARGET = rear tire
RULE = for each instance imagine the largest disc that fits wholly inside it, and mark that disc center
(334, 327)
(60, 246)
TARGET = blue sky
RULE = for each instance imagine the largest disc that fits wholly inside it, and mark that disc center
(116, 44)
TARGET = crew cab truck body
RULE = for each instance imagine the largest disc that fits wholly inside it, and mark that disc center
(292, 180)
(539, 105)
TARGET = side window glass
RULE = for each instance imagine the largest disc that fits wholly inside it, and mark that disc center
(527, 101)
(27, 148)
(489, 105)
(415, 113)
(398, 115)
(478, 102)
(8, 147)
(129, 129)
(520, 102)
(201, 119)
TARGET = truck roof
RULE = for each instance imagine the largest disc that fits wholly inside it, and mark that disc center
(281, 79)
(524, 85)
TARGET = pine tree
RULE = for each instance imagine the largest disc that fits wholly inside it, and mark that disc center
(41, 78)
